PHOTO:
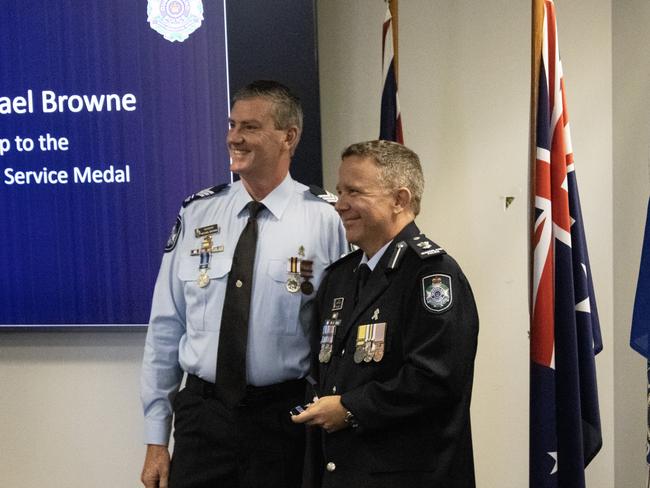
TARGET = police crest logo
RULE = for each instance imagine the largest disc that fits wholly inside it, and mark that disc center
(175, 20)
(436, 292)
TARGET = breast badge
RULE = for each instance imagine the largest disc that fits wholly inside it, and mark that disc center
(205, 252)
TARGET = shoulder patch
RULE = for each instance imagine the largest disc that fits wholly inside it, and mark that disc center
(424, 247)
(345, 258)
(208, 192)
(323, 194)
(437, 293)
(173, 238)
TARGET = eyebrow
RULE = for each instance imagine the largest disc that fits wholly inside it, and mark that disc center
(245, 121)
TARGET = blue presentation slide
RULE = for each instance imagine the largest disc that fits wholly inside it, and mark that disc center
(111, 113)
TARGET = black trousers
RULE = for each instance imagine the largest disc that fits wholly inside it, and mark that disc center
(252, 445)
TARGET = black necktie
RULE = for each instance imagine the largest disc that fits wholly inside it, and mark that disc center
(363, 272)
(230, 380)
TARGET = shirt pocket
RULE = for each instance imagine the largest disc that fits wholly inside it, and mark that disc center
(204, 304)
(281, 307)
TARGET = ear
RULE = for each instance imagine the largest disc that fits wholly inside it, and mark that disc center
(291, 139)
(402, 200)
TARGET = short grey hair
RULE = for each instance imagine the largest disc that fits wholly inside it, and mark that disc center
(398, 165)
(287, 112)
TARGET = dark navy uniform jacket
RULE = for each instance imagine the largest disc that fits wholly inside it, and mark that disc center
(413, 406)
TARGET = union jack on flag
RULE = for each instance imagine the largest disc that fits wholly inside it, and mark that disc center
(565, 429)
(391, 119)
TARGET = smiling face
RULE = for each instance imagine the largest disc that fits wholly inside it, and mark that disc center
(371, 213)
(258, 150)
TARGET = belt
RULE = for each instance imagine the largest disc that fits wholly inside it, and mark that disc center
(255, 395)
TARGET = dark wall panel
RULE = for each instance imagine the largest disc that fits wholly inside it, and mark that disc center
(276, 39)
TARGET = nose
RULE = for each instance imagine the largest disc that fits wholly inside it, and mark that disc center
(234, 136)
(341, 204)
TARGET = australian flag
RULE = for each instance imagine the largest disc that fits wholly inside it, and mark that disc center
(391, 119)
(565, 431)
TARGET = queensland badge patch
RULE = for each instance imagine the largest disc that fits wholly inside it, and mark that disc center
(436, 292)
(173, 238)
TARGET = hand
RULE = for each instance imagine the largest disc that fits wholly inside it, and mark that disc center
(326, 412)
(155, 472)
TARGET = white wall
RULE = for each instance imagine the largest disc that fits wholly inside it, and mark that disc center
(69, 409)
(464, 93)
(69, 401)
(631, 167)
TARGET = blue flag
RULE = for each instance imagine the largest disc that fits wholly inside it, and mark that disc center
(565, 431)
(390, 125)
(641, 316)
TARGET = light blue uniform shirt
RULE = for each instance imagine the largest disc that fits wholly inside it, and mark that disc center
(185, 320)
(373, 261)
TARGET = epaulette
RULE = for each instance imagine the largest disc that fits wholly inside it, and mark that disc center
(323, 194)
(424, 247)
(345, 258)
(208, 192)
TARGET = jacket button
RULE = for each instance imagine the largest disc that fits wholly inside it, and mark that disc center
(330, 466)
(334, 389)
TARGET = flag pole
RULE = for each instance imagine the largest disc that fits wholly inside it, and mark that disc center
(537, 19)
(392, 5)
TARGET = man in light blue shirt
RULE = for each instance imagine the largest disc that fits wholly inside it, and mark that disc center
(255, 442)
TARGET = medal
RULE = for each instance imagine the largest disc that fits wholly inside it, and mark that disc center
(204, 263)
(306, 273)
(307, 288)
(327, 339)
(204, 279)
(293, 282)
(378, 342)
(359, 350)
(367, 344)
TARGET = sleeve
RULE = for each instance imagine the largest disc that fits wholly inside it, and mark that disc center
(161, 373)
(436, 373)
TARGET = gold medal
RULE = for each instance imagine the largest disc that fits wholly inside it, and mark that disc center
(293, 285)
(204, 279)
(293, 282)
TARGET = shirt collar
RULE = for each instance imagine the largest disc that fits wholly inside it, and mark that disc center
(276, 202)
(372, 262)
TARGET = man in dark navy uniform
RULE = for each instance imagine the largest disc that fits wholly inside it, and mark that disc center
(396, 340)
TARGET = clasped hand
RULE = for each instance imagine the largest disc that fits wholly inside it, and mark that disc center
(326, 412)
